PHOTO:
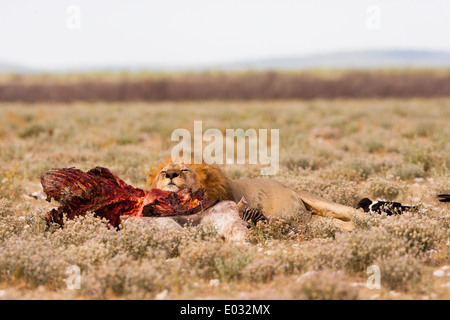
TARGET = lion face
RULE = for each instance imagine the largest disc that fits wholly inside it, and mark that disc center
(174, 177)
(169, 176)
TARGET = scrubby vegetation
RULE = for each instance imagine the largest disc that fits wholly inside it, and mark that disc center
(342, 150)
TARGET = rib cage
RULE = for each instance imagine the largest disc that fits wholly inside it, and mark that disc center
(100, 191)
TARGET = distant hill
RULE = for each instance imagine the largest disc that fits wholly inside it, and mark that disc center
(351, 60)
(341, 60)
(6, 67)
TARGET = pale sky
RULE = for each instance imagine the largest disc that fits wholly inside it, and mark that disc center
(201, 32)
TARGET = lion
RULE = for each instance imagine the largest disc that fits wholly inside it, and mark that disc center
(270, 196)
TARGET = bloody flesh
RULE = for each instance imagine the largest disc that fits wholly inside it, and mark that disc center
(102, 192)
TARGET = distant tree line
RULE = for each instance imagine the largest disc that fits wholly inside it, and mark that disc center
(230, 86)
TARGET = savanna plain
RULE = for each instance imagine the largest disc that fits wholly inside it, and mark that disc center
(341, 149)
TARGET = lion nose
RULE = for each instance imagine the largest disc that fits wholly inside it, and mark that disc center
(171, 175)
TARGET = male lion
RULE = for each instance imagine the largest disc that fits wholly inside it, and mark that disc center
(270, 196)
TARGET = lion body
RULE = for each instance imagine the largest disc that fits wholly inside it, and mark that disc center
(271, 197)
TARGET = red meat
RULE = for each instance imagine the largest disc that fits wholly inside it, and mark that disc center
(102, 192)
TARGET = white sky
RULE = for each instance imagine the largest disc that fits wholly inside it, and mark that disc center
(199, 32)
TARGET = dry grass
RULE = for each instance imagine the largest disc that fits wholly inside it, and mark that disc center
(340, 149)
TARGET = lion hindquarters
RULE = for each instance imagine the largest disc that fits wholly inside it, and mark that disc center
(276, 200)
(269, 196)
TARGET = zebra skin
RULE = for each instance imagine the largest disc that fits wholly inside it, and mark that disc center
(249, 214)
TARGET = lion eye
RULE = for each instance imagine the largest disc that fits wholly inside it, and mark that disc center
(163, 172)
(184, 170)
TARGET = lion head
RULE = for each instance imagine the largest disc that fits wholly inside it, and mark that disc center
(170, 176)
